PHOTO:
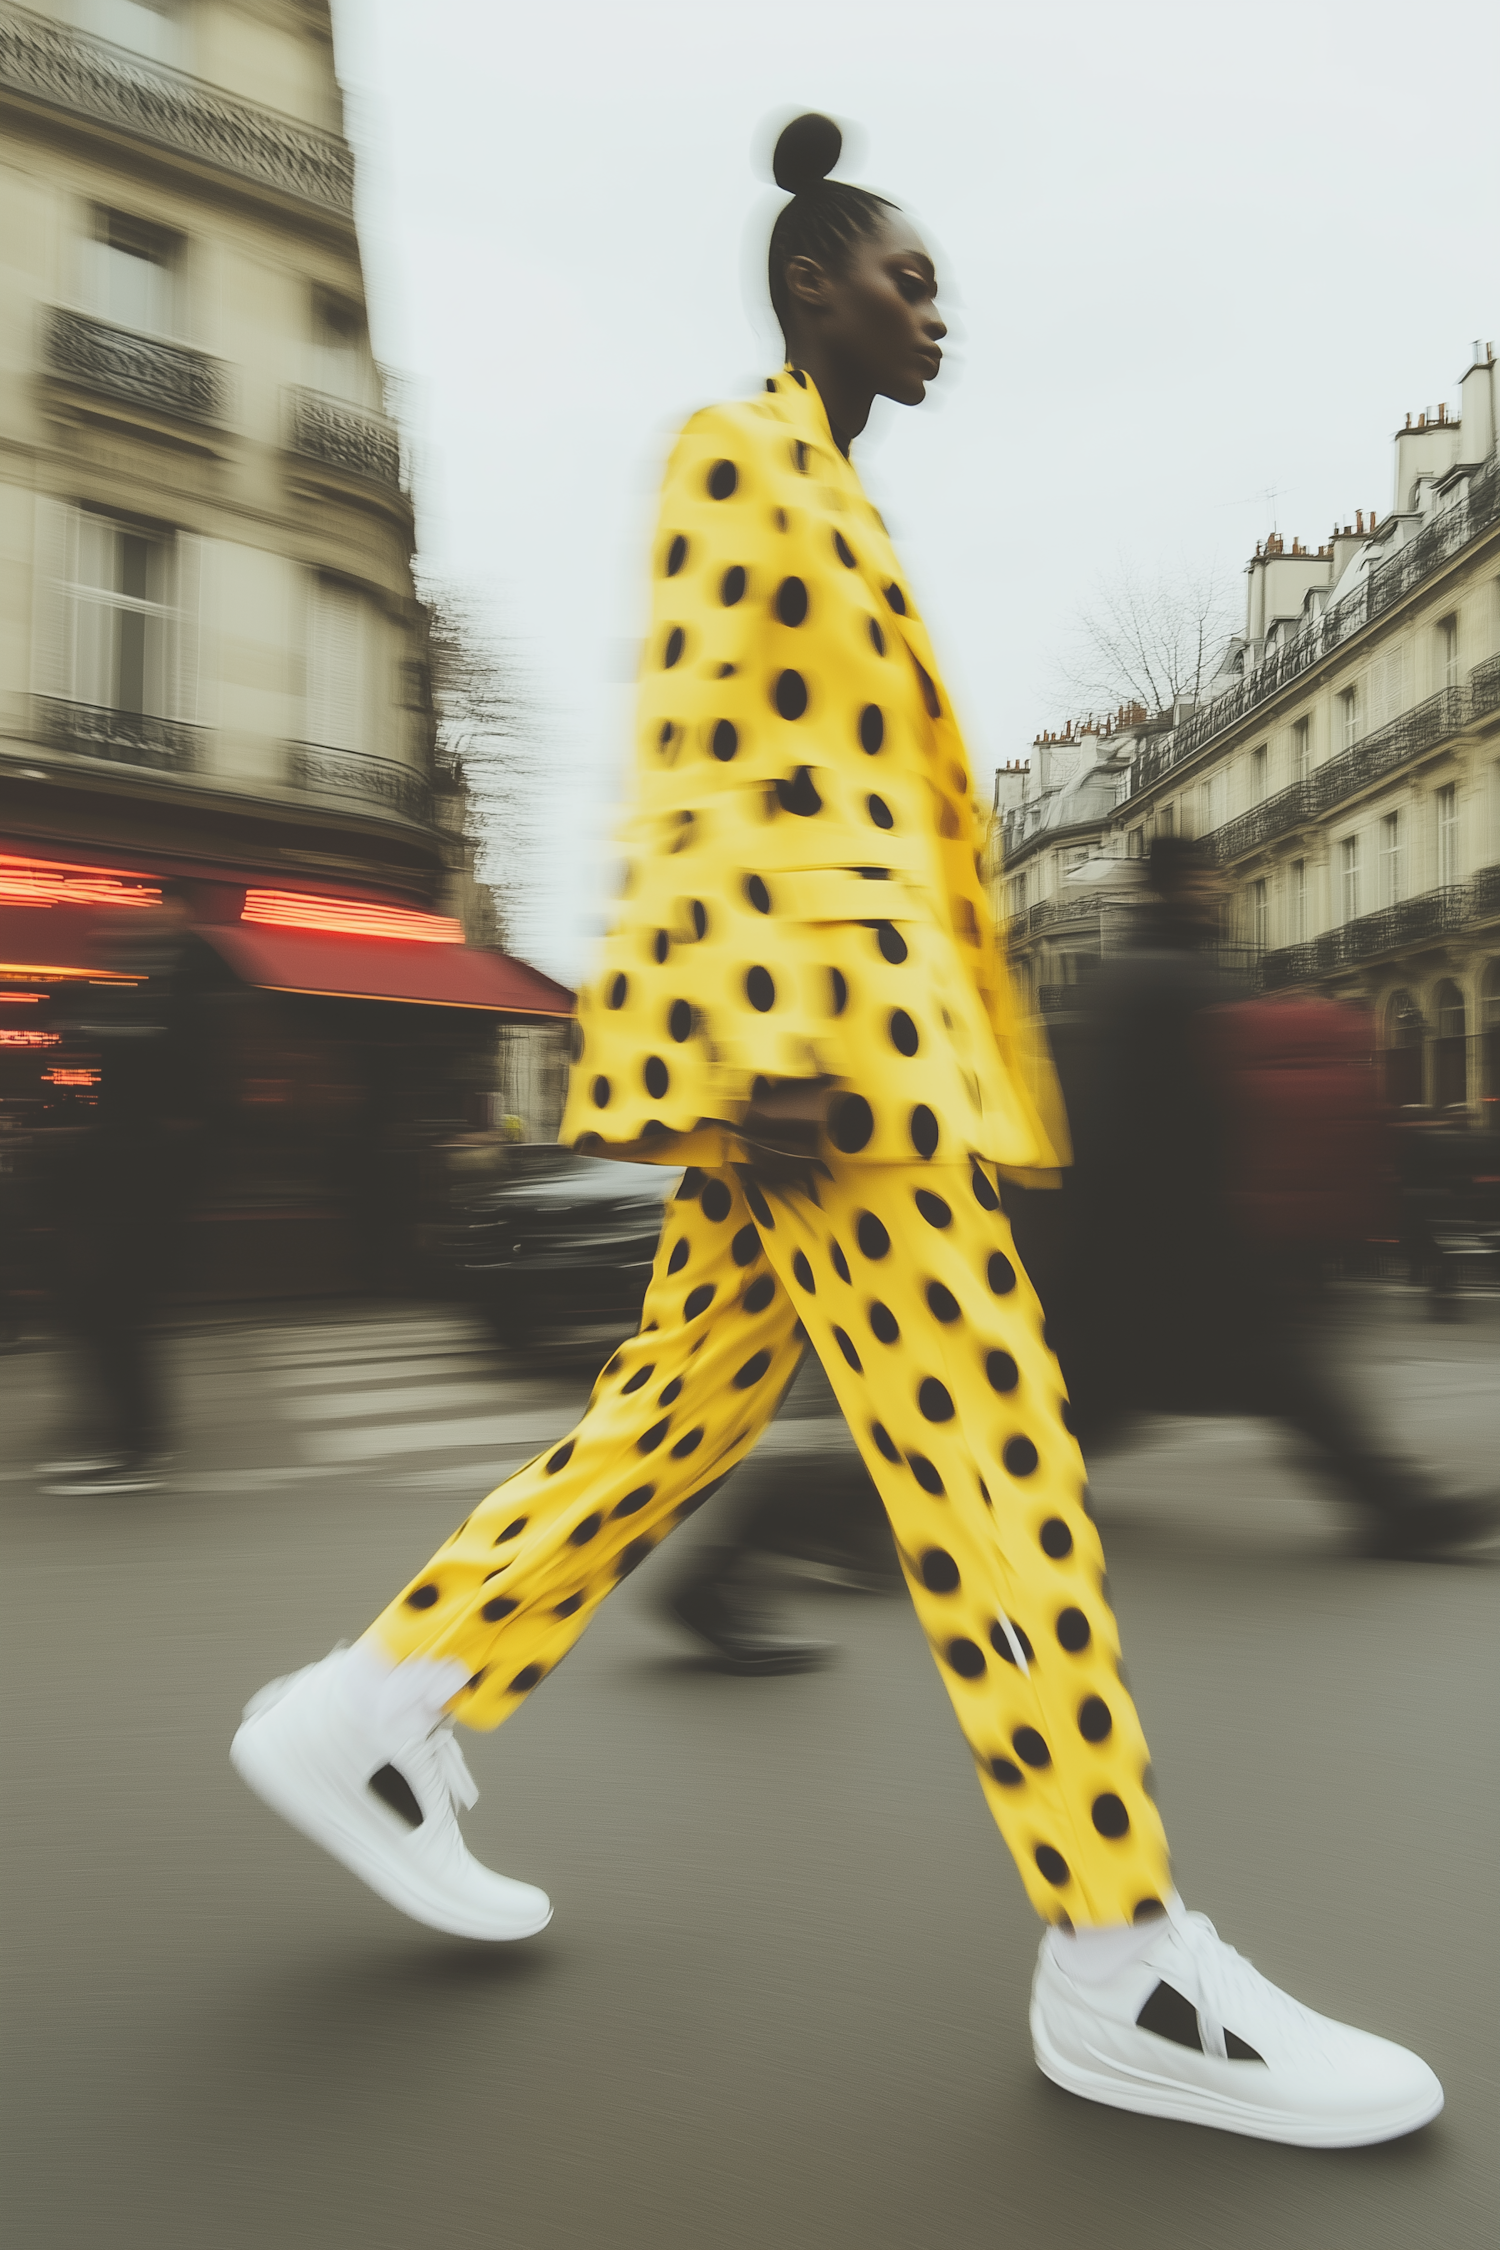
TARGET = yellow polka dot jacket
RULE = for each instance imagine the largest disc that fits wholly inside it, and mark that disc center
(803, 895)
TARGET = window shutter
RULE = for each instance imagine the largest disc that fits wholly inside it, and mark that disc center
(191, 560)
(53, 608)
(335, 666)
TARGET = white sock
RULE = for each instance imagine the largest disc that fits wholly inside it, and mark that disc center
(396, 1700)
(1092, 1956)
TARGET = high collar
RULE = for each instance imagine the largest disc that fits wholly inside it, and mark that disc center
(802, 403)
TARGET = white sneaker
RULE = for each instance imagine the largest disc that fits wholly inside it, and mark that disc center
(380, 1801)
(1190, 2030)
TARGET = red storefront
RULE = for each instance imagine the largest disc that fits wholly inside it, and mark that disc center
(348, 1050)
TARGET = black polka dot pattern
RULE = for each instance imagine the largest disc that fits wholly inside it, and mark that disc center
(797, 760)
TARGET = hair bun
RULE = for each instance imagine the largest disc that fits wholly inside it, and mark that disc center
(806, 152)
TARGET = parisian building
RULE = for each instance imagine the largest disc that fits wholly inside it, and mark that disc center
(1343, 769)
(213, 660)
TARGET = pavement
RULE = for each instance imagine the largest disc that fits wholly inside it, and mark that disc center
(783, 1997)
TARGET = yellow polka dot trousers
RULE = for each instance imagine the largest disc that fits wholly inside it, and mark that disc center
(904, 1279)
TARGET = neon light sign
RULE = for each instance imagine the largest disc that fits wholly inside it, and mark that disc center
(45, 882)
(349, 917)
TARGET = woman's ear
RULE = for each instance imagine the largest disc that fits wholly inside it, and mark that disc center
(808, 284)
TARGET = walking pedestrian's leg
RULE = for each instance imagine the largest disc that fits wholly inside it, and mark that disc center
(911, 1294)
(1403, 1514)
(357, 1751)
(906, 1281)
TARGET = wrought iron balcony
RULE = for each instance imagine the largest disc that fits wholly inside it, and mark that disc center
(1484, 688)
(50, 63)
(1047, 914)
(1415, 921)
(1422, 728)
(1320, 636)
(126, 738)
(116, 363)
(376, 784)
(326, 430)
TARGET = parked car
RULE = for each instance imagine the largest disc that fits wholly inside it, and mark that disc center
(559, 1241)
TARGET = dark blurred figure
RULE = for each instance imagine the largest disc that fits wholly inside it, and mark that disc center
(1450, 1205)
(782, 1518)
(126, 1183)
(1219, 1144)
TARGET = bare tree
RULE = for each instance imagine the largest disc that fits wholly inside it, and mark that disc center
(1148, 641)
(486, 745)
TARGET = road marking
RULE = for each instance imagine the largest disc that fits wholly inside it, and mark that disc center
(390, 1438)
(347, 1406)
(305, 1378)
(812, 1433)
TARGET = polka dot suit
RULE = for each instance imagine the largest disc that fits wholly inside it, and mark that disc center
(894, 1260)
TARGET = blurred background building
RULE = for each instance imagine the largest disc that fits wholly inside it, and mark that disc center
(1343, 767)
(214, 665)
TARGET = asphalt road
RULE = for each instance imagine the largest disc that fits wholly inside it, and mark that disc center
(783, 1998)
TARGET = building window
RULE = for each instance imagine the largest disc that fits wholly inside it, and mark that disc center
(1447, 836)
(342, 365)
(1392, 887)
(1260, 917)
(1451, 1076)
(341, 666)
(1211, 804)
(1301, 750)
(134, 270)
(1448, 652)
(122, 619)
(146, 27)
(1258, 775)
(1018, 895)
(1405, 1035)
(1297, 901)
(1349, 717)
(1166, 820)
(1349, 870)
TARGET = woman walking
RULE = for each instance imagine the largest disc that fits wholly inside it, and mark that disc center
(802, 1001)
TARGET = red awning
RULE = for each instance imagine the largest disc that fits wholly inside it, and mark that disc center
(381, 968)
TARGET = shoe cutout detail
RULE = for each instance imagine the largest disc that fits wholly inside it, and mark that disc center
(1240, 2050)
(1172, 2017)
(393, 1789)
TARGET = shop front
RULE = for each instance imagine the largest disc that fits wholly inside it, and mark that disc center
(341, 1047)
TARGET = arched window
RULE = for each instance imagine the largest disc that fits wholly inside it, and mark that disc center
(1404, 1035)
(1451, 1048)
(1489, 1024)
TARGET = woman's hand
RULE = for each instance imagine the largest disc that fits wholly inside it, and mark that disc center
(782, 1127)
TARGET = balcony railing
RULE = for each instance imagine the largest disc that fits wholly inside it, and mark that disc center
(126, 738)
(115, 363)
(1415, 921)
(342, 437)
(1484, 689)
(375, 783)
(1320, 636)
(50, 63)
(1422, 728)
(1047, 914)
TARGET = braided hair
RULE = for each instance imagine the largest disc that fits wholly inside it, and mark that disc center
(825, 218)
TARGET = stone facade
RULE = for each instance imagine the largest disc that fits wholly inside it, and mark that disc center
(210, 643)
(1344, 771)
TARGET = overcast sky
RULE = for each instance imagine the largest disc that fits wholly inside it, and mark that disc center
(1191, 255)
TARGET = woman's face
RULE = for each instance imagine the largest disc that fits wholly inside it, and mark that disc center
(881, 317)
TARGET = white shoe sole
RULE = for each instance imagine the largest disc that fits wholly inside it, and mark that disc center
(1190, 2105)
(297, 1789)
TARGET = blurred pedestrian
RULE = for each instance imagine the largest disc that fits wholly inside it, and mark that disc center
(1219, 1144)
(803, 1000)
(125, 1183)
